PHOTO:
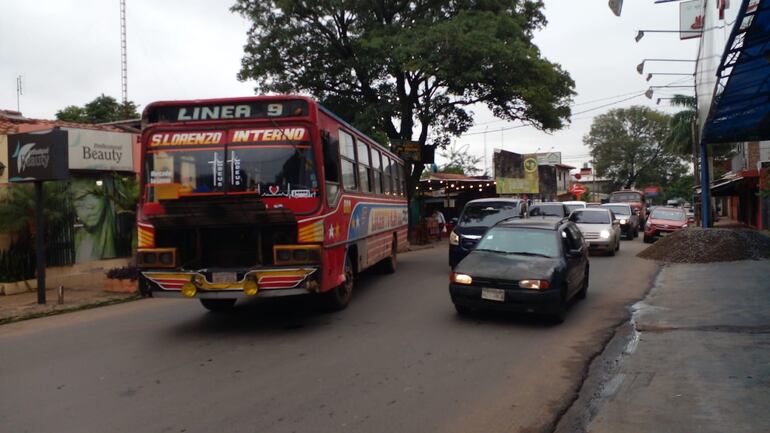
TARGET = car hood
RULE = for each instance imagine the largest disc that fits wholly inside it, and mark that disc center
(470, 230)
(670, 223)
(594, 228)
(496, 266)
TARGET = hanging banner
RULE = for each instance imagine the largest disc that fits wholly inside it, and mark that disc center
(690, 18)
(37, 156)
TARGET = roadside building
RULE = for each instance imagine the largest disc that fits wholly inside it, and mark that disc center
(92, 218)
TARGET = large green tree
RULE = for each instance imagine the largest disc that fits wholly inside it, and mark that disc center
(629, 146)
(408, 69)
(102, 109)
(460, 161)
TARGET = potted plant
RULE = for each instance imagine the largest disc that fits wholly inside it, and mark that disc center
(122, 280)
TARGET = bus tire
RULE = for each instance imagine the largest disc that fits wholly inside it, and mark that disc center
(390, 264)
(218, 305)
(338, 298)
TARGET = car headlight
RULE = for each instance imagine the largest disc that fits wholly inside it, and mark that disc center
(461, 278)
(454, 239)
(684, 226)
(604, 234)
(534, 284)
(622, 222)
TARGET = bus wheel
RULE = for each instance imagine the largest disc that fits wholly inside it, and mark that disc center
(218, 305)
(339, 297)
(389, 265)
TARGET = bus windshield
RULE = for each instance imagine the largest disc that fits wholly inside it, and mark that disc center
(624, 197)
(273, 164)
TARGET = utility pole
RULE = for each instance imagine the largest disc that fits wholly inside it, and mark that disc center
(485, 149)
(123, 55)
(19, 92)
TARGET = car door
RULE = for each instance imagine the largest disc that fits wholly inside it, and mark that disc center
(576, 265)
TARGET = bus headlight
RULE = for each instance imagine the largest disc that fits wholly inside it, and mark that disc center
(296, 254)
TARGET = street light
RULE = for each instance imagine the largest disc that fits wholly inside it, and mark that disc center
(648, 93)
(641, 33)
(649, 76)
(640, 66)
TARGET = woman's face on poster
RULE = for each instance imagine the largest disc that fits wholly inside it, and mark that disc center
(89, 208)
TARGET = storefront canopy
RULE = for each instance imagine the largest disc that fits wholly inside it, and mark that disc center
(741, 112)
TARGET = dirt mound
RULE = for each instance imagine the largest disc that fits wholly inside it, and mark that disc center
(696, 245)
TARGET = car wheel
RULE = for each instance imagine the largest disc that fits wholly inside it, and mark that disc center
(463, 310)
(389, 265)
(647, 240)
(636, 232)
(560, 309)
(338, 298)
(611, 251)
(584, 289)
(218, 305)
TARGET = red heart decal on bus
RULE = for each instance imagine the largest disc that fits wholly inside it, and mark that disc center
(274, 189)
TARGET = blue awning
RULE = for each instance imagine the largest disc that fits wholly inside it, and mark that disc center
(741, 112)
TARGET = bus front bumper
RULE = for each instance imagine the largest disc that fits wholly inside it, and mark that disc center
(214, 284)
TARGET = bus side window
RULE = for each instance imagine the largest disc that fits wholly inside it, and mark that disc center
(364, 165)
(348, 161)
(401, 180)
(386, 177)
(331, 154)
(376, 171)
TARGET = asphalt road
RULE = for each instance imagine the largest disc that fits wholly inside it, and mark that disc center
(399, 359)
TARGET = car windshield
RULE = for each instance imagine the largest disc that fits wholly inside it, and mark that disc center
(487, 214)
(572, 207)
(556, 210)
(668, 214)
(619, 209)
(520, 241)
(619, 197)
(591, 217)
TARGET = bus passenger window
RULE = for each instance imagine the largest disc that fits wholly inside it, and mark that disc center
(377, 172)
(348, 161)
(386, 178)
(363, 166)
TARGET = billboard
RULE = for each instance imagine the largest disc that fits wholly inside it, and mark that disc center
(37, 156)
(549, 158)
(516, 173)
(100, 150)
(690, 18)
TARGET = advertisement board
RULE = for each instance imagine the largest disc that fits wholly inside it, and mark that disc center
(691, 18)
(516, 173)
(549, 158)
(37, 156)
(100, 150)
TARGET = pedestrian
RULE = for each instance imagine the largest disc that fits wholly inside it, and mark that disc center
(439, 217)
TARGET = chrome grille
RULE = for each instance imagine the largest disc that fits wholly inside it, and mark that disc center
(591, 235)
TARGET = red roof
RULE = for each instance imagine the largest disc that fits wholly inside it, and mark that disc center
(449, 176)
(12, 122)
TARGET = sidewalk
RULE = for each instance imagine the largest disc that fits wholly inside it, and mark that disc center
(698, 359)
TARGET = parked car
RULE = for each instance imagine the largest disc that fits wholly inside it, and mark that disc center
(524, 265)
(599, 227)
(635, 198)
(572, 205)
(549, 209)
(478, 216)
(627, 217)
(663, 221)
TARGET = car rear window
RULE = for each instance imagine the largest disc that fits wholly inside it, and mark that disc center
(556, 210)
(619, 210)
(590, 217)
(487, 214)
(668, 214)
(571, 207)
(520, 240)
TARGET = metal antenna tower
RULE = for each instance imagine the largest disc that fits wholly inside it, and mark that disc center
(123, 57)
(19, 92)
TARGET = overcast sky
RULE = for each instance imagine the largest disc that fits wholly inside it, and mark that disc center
(68, 52)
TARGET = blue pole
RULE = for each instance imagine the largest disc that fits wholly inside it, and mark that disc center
(705, 196)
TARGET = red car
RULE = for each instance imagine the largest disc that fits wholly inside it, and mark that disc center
(663, 221)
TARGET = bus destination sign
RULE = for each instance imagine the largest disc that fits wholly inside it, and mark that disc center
(242, 110)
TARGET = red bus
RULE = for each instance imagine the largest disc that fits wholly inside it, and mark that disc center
(260, 197)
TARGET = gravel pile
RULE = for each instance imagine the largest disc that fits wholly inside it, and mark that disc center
(696, 245)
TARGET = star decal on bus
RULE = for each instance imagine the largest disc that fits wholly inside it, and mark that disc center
(334, 231)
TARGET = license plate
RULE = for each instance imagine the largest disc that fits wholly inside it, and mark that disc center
(224, 277)
(493, 294)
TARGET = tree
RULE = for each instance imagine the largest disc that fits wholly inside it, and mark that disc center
(628, 145)
(102, 109)
(680, 138)
(406, 67)
(460, 161)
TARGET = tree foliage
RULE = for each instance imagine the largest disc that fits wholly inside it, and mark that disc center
(460, 161)
(102, 109)
(628, 145)
(680, 137)
(408, 67)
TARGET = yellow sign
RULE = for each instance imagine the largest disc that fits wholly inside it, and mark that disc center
(529, 184)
